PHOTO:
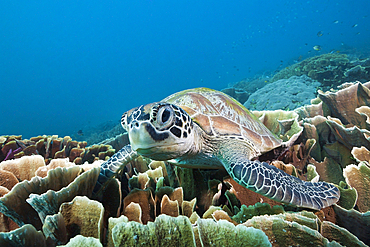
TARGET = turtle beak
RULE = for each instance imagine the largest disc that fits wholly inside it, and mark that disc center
(137, 136)
(143, 135)
(152, 143)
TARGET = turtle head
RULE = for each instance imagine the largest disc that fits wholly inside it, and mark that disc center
(159, 131)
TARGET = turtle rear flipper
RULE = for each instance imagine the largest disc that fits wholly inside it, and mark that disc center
(273, 183)
(109, 168)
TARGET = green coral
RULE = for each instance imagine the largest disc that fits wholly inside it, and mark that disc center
(348, 196)
(164, 231)
(224, 233)
(247, 213)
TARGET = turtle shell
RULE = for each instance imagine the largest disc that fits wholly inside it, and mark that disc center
(220, 115)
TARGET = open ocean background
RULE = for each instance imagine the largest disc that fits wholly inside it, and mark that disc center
(68, 65)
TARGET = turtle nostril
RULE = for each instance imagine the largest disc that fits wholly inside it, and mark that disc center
(134, 124)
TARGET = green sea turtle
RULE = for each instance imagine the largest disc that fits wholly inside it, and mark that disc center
(204, 128)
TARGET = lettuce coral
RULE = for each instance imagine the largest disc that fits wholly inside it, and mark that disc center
(51, 147)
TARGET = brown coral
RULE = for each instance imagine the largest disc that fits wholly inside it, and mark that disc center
(145, 199)
(358, 177)
(7, 179)
(133, 212)
(53, 147)
(83, 216)
(343, 103)
(25, 167)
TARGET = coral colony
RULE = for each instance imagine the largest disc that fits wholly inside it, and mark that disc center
(11, 153)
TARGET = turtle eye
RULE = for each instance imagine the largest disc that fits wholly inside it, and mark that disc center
(165, 116)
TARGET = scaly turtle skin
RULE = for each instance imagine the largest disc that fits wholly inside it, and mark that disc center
(204, 128)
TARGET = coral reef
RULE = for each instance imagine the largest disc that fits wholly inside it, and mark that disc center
(99, 133)
(330, 70)
(48, 201)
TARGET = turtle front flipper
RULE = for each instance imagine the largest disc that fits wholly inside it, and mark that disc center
(273, 183)
(117, 162)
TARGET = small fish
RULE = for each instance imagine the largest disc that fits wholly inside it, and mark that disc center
(319, 34)
(317, 48)
(355, 25)
(80, 133)
(336, 22)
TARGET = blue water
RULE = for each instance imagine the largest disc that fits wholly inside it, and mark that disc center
(65, 65)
